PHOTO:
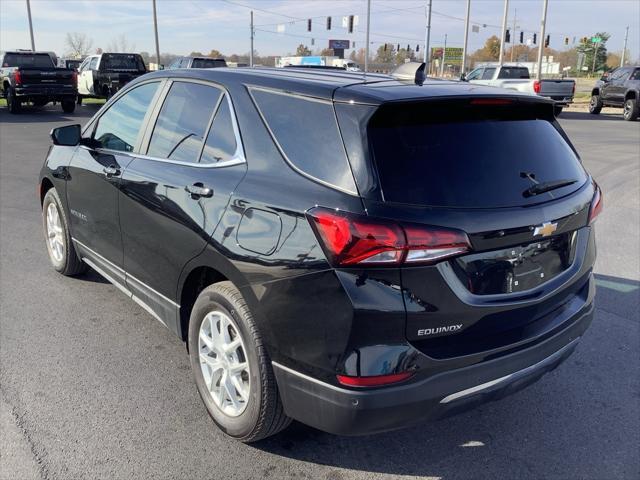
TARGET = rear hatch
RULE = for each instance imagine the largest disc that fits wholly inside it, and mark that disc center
(502, 171)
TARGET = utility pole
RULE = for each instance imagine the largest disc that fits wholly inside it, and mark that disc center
(595, 56)
(252, 34)
(33, 43)
(366, 48)
(444, 56)
(504, 31)
(624, 50)
(155, 29)
(466, 38)
(513, 44)
(427, 40)
(542, 28)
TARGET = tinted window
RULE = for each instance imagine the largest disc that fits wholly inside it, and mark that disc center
(38, 60)
(208, 63)
(122, 61)
(636, 74)
(468, 156)
(475, 74)
(514, 72)
(119, 126)
(307, 133)
(221, 141)
(182, 122)
(94, 63)
(488, 73)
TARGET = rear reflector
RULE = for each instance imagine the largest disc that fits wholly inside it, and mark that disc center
(349, 239)
(375, 381)
(596, 204)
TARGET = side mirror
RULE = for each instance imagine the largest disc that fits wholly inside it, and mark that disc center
(68, 136)
(605, 77)
(463, 77)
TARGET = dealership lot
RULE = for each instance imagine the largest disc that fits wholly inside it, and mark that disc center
(93, 387)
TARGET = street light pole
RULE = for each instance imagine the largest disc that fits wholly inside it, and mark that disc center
(595, 55)
(252, 33)
(624, 50)
(366, 48)
(542, 28)
(504, 31)
(513, 44)
(155, 29)
(466, 38)
(427, 41)
(33, 43)
(444, 56)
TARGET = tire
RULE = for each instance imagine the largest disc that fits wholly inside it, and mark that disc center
(261, 414)
(66, 260)
(79, 99)
(68, 106)
(557, 111)
(12, 102)
(595, 105)
(630, 112)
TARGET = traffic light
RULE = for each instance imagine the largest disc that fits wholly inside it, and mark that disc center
(328, 23)
(507, 37)
(309, 25)
(417, 48)
(521, 37)
(546, 42)
(408, 47)
(350, 30)
(535, 38)
(398, 49)
(385, 47)
(566, 40)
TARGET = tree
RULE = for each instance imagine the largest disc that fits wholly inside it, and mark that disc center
(589, 49)
(215, 54)
(385, 54)
(613, 60)
(196, 54)
(326, 52)
(79, 44)
(359, 57)
(489, 53)
(120, 44)
(302, 51)
(403, 55)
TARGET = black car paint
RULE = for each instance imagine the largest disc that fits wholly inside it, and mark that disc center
(316, 320)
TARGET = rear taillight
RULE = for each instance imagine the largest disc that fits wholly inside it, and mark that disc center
(573, 89)
(349, 239)
(74, 78)
(374, 381)
(17, 77)
(596, 204)
(536, 86)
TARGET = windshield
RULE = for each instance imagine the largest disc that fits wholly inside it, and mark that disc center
(34, 60)
(208, 63)
(469, 158)
(122, 61)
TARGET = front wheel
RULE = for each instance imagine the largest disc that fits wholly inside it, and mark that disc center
(62, 253)
(231, 366)
(68, 106)
(630, 112)
(13, 102)
(595, 105)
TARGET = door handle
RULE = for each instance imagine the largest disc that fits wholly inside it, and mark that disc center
(111, 171)
(198, 190)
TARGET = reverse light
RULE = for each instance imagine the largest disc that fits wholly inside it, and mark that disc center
(17, 77)
(596, 204)
(374, 381)
(536, 86)
(349, 239)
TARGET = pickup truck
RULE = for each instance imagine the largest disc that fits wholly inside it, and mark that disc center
(618, 88)
(100, 76)
(516, 77)
(27, 76)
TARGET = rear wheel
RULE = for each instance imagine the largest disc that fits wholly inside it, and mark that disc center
(13, 102)
(62, 253)
(68, 106)
(630, 111)
(595, 105)
(231, 366)
(79, 99)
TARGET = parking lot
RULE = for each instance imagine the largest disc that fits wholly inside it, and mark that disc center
(92, 386)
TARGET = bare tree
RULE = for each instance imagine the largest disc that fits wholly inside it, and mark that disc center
(120, 44)
(79, 44)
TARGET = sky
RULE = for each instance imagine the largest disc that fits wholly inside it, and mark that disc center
(202, 25)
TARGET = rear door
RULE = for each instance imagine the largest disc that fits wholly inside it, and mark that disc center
(174, 194)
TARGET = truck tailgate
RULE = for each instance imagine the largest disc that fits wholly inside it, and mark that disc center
(557, 88)
(51, 76)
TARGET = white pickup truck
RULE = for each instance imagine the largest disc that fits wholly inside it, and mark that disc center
(516, 77)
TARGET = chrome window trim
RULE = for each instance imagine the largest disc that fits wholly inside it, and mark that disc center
(289, 162)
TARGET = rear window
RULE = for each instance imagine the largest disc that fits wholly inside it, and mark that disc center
(469, 156)
(37, 60)
(208, 63)
(514, 72)
(122, 61)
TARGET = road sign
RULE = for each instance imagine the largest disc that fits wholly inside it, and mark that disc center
(596, 39)
(453, 55)
(334, 44)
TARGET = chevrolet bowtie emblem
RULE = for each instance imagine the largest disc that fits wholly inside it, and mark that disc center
(545, 229)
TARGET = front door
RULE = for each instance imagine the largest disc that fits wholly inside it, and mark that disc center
(174, 196)
(94, 178)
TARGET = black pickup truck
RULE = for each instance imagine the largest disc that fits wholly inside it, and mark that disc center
(28, 76)
(101, 76)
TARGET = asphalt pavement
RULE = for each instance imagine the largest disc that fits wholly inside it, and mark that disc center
(91, 386)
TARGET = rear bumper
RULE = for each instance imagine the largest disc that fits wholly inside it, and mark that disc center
(359, 412)
(52, 92)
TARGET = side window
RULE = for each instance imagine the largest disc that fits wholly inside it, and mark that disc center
(182, 122)
(94, 63)
(306, 131)
(615, 74)
(624, 75)
(175, 64)
(118, 127)
(636, 74)
(83, 65)
(475, 74)
(220, 145)
(488, 73)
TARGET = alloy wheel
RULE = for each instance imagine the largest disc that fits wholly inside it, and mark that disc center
(224, 363)
(55, 234)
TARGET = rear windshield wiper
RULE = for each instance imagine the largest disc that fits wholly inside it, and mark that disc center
(546, 187)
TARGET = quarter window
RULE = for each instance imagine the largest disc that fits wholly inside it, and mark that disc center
(221, 141)
(182, 122)
(488, 73)
(118, 127)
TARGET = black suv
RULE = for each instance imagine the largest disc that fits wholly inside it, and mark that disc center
(618, 88)
(356, 255)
